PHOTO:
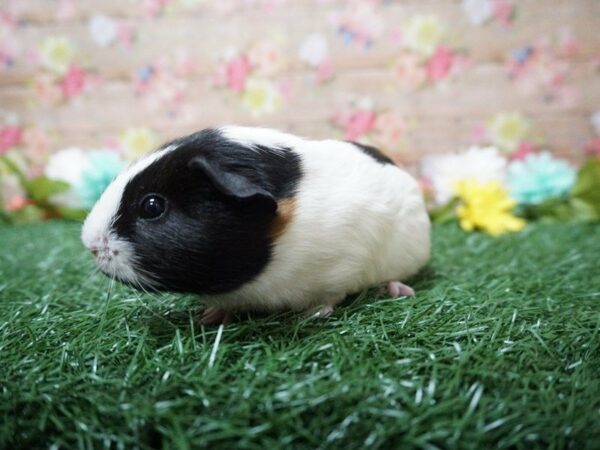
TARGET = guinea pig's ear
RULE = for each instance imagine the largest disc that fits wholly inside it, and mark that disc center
(234, 185)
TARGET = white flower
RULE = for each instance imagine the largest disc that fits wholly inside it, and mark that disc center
(136, 142)
(57, 53)
(260, 97)
(266, 58)
(103, 29)
(596, 122)
(423, 33)
(477, 163)
(478, 11)
(314, 49)
(507, 130)
(67, 165)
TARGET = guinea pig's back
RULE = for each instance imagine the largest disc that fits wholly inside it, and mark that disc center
(357, 222)
(353, 221)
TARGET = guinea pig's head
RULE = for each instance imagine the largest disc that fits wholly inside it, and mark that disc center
(195, 216)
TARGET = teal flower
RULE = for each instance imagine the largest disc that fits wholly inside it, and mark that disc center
(102, 169)
(538, 177)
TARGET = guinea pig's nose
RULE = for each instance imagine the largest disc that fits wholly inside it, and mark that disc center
(94, 251)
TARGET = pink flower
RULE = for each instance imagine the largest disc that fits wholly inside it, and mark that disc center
(389, 129)
(286, 88)
(360, 22)
(524, 149)
(397, 37)
(238, 70)
(567, 96)
(409, 71)
(73, 82)
(168, 89)
(35, 143)
(568, 44)
(46, 89)
(357, 123)
(266, 59)
(16, 203)
(10, 136)
(479, 134)
(125, 34)
(153, 8)
(7, 19)
(66, 10)
(325, 71)
(184, 63)
(503, 10)
(440, 64)
(36, 139)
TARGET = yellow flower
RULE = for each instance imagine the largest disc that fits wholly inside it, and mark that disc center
(423, 33)
(260, 97)
(138, 141)
(57, 53)
(487, 207)
(507, 130)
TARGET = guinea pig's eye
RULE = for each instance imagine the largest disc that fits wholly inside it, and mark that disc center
(152, 207)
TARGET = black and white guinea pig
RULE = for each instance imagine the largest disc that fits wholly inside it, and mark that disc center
(256, 219)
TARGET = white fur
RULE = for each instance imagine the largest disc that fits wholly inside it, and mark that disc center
(357, 223)
(250, 137)
(96, 232)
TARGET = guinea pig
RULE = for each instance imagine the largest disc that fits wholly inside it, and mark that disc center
(254, 219)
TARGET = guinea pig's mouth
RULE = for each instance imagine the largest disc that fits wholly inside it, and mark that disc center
(115, 259)
(127, 276)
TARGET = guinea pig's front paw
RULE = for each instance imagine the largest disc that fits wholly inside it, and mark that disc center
(396, 289)
(214, 316)
(320, 312)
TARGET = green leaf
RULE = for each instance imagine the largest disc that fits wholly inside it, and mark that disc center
(28, 214)
(556, 208)
(584, 211)
(587, 189)
(5, 217)
(445, 213)
(14, 169)
(583, 203)
(41, 188)
(37, 189)
(71, 214)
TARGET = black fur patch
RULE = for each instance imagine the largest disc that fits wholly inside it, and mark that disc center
(206, 242)
(374, 153)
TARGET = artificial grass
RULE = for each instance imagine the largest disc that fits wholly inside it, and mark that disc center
(500, 348)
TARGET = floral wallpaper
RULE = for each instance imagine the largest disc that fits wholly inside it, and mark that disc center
(483, 91)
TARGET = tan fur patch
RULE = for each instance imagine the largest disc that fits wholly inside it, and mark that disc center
(285, 214)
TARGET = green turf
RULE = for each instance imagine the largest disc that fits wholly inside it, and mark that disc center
(500, 348)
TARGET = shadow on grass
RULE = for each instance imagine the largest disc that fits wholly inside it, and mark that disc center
(250, 326)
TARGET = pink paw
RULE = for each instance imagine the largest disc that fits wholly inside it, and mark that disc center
(215, 316)
(396, 289)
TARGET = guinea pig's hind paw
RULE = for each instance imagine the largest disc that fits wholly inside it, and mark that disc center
(214, 316)
(319, 312)
(396, 289)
